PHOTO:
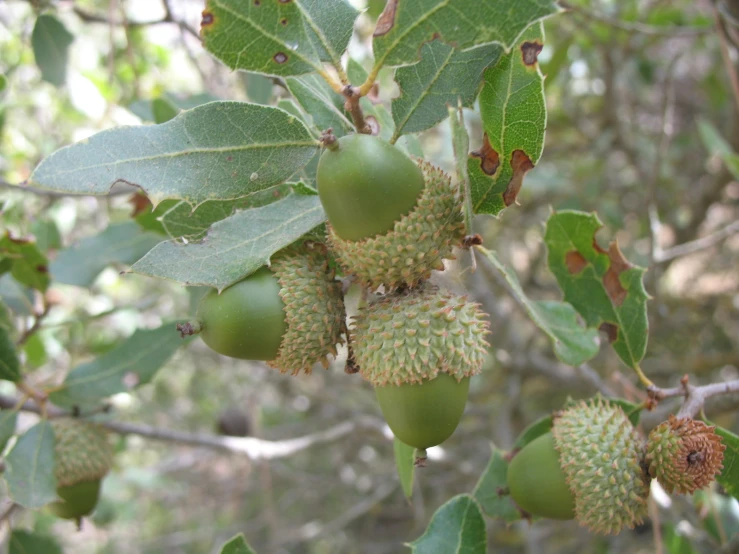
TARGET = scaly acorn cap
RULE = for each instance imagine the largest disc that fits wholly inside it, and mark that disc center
(684, 455)
(412, 336)
(314, 308)
(417, 244)
(601, 455)
(82, 451)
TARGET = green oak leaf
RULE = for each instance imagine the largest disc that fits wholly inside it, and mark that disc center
(10, 365)
(27, 542)
(236, 246)
(729, 476)
(491, 490)
(317, 98)
(574, 344)
(29, 265)
(8, 419)
(180, 220)
(217, 151)
(237, 545)
(163, 109)
(30, 467)
(514, 117)
(404, 26)
(330, 24)
(50, 41)
(264, 36)
(405, 463)
(457, 526)
(132, 363)
(3, 82)
(442, 77)
(606, 290)
(120, 243)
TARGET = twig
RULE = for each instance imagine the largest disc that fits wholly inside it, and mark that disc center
(90, 17)
(697, 244)
(353, 97)
(695, 397)
(8, 513)
(728, 62)
(253, 448)
(636, 27)
(28, 333)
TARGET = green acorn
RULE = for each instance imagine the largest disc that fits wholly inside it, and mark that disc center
(418, 349)
(684, 455)
(290, 315)
(83, 457)
(597, 453)
(392, 220)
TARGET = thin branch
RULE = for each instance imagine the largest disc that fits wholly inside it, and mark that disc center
(353, 97)
(698, 244)
(28, 333)
(636, 27)
(695, 397)
(253, 448)
(90, 17)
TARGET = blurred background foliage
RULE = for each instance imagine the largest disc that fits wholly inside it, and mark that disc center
(638, 96)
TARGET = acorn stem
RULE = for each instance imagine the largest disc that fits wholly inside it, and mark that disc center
(421, 457)
(189, 328)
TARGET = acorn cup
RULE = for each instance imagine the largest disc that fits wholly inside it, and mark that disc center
(83, 457)
(290, 314)
(419, 349)
(684, 455)
(589, 467)
(392, 220)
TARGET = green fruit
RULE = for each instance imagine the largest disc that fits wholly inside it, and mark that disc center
(365, 185)
(247, 320)
(424, 415)
(417, 244)
(602, 456)
(537, 483)
(290, 315)
(83, 457)
(418, 349)
(77, 500)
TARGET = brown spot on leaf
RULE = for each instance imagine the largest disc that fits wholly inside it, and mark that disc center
(208, 19)
(41, 268)
(276, 194)
(521, 164)
(386, 21)
(374, 125)
(283, 21)
(575, 262)
(229, 158)
(140, 204)
(530, 52)
(616, 292)
(610, 330)
(257, 3)
(489, 158)
(280, 57)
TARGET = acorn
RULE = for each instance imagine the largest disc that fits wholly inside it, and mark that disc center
(684, 455)
(83, 457)
(588, 467)
(290, 314)
(419, 349)
(392, 220)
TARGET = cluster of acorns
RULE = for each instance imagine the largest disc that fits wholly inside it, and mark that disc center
(595, 467)
(392, 221)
